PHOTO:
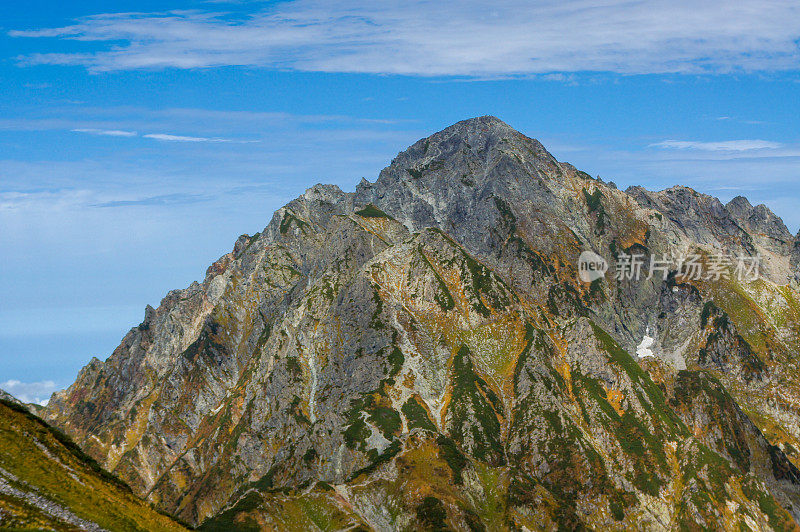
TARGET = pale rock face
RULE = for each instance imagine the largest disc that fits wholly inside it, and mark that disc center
(424, 347)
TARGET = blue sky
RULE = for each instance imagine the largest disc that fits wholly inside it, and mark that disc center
(139, 139)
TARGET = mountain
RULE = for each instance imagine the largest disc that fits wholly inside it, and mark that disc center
(47, 483)
(421, 354)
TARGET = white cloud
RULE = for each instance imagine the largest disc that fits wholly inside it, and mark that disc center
(466, 38)
(30, 392)
(181, 138)
(106, 132)
(37, 86)
(741, 121)
(726, 145)
(130, 118)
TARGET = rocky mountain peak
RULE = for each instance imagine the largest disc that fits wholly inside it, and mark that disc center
(461, 179)
(434, 321)
(324, 193)
(739, 207)
(762, 219)
(759, 219)
(465, 154)
(486, 126)
(479, 132)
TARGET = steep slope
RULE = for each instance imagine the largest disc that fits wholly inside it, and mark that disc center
(421, 353)
(5, 396)
(46, 482)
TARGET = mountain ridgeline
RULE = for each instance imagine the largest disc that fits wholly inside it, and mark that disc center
(420, 354)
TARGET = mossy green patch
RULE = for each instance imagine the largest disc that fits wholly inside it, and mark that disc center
(390, 452)
(375, 322)
(236, 518)
(396, 361)
(387, 420)
(595, 203)
(654, 395)
(474, 411)
(371, 211)
(485, 286)
(290, 219)
(450, 453)
(416, 415)
(432, 515)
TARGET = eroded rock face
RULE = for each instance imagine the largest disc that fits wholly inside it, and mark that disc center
(422, 353)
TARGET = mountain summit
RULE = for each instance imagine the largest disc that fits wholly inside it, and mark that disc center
(422, 354)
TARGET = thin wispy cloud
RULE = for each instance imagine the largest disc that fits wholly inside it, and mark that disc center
(106, 132)
(727, 145)
(160, 200)
(220, 126)
(181, 138)
(420, 37)
(37, 86)
(732, 119)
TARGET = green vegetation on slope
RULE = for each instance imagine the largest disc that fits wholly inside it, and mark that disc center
(46, 482)
(371, 211)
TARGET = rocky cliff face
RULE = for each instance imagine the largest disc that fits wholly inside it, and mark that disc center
(421, 353)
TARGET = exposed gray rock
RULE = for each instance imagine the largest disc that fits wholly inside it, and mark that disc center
(740, 208)
(761, 222)
(700, 217)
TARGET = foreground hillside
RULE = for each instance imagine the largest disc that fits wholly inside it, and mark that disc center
(422, 354)
(47, 483)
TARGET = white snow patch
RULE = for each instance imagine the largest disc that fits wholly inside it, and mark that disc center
(643, 350)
